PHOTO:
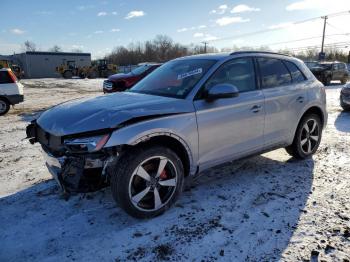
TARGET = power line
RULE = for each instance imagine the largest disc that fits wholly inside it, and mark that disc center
(300, 39)
(335, 44)
(279, 28)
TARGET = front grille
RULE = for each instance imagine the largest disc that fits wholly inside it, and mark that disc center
(108, 84)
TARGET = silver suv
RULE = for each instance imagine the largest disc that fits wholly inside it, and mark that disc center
(190, 114)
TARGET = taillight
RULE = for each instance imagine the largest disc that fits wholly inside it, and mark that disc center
(13, 76)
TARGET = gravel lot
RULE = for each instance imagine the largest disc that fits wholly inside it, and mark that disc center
(266, 208)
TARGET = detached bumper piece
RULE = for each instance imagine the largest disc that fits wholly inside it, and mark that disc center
(75, 174)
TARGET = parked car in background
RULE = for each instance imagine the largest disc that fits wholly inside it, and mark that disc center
(121, 82)
(329, 71)
(191, 114)
(311, 64)
(11, 91)
(345, 97)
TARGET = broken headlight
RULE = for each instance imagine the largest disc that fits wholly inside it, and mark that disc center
(86, 144)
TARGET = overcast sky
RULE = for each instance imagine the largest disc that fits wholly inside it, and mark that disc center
(99, 26)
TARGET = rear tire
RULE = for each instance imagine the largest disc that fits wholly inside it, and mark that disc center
(92, 75)
(4, 106)
(67, 74)
(307, 137)
(142, 186)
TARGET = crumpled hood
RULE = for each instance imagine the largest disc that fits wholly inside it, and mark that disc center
(107, 111)
(119, 76)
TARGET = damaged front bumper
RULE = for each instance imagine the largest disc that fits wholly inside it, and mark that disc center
(78, 173)
(74, 172)
(71, 172)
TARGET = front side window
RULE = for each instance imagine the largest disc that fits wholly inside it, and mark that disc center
(273, 73)
(297, 75)
(238, 72)
(175, 78)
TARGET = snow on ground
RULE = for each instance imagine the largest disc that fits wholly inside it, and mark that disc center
(265, 208)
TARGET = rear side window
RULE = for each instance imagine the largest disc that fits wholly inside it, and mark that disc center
(273, 73)
(5, 78)
(297, 75)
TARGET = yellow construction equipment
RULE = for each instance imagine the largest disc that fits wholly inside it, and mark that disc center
(16, 69)
(69, 70)
(100, 68)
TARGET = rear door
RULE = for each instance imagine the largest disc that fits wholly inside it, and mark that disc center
(285, 96)
(230, 127)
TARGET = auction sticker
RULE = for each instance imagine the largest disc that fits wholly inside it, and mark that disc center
(191, 73)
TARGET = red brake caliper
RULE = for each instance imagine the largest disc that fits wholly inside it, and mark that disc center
(163, 175)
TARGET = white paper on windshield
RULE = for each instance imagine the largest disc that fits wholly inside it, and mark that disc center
(191, 73)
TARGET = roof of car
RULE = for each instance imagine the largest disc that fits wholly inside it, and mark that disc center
(219, 56)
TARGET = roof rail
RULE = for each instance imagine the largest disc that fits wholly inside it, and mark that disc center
(262, 52)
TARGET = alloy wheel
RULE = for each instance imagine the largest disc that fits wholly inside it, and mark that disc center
(310, 136)
(153, 183)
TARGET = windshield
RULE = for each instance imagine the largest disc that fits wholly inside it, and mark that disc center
(175, 78)
(141, 69)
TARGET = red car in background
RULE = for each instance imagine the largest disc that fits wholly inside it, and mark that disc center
(121, 82)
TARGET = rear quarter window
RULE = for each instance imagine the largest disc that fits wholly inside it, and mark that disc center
(297, 75)
(5, 78)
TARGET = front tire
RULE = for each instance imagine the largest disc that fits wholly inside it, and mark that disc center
(68, 74)
(146, 182)
(344, 80)
(307, 137)
(4, 106)
(327, 81)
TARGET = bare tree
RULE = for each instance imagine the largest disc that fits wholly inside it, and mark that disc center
(162, 48)
(29, 46)
(55, 49)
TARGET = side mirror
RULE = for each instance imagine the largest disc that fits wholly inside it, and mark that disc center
(222, 91)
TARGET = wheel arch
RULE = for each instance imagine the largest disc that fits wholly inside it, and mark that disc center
(173, 142)
(317, 111)
(5, 99)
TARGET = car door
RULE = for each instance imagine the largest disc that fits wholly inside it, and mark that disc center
(284, 98)
(230, 127)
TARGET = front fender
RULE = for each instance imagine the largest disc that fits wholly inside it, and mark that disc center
(182, 127)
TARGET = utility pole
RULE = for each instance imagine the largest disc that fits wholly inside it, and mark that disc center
(205, 46)
(322, 55)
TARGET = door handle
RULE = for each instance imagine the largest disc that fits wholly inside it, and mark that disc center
(300, 99)
(256, 109)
